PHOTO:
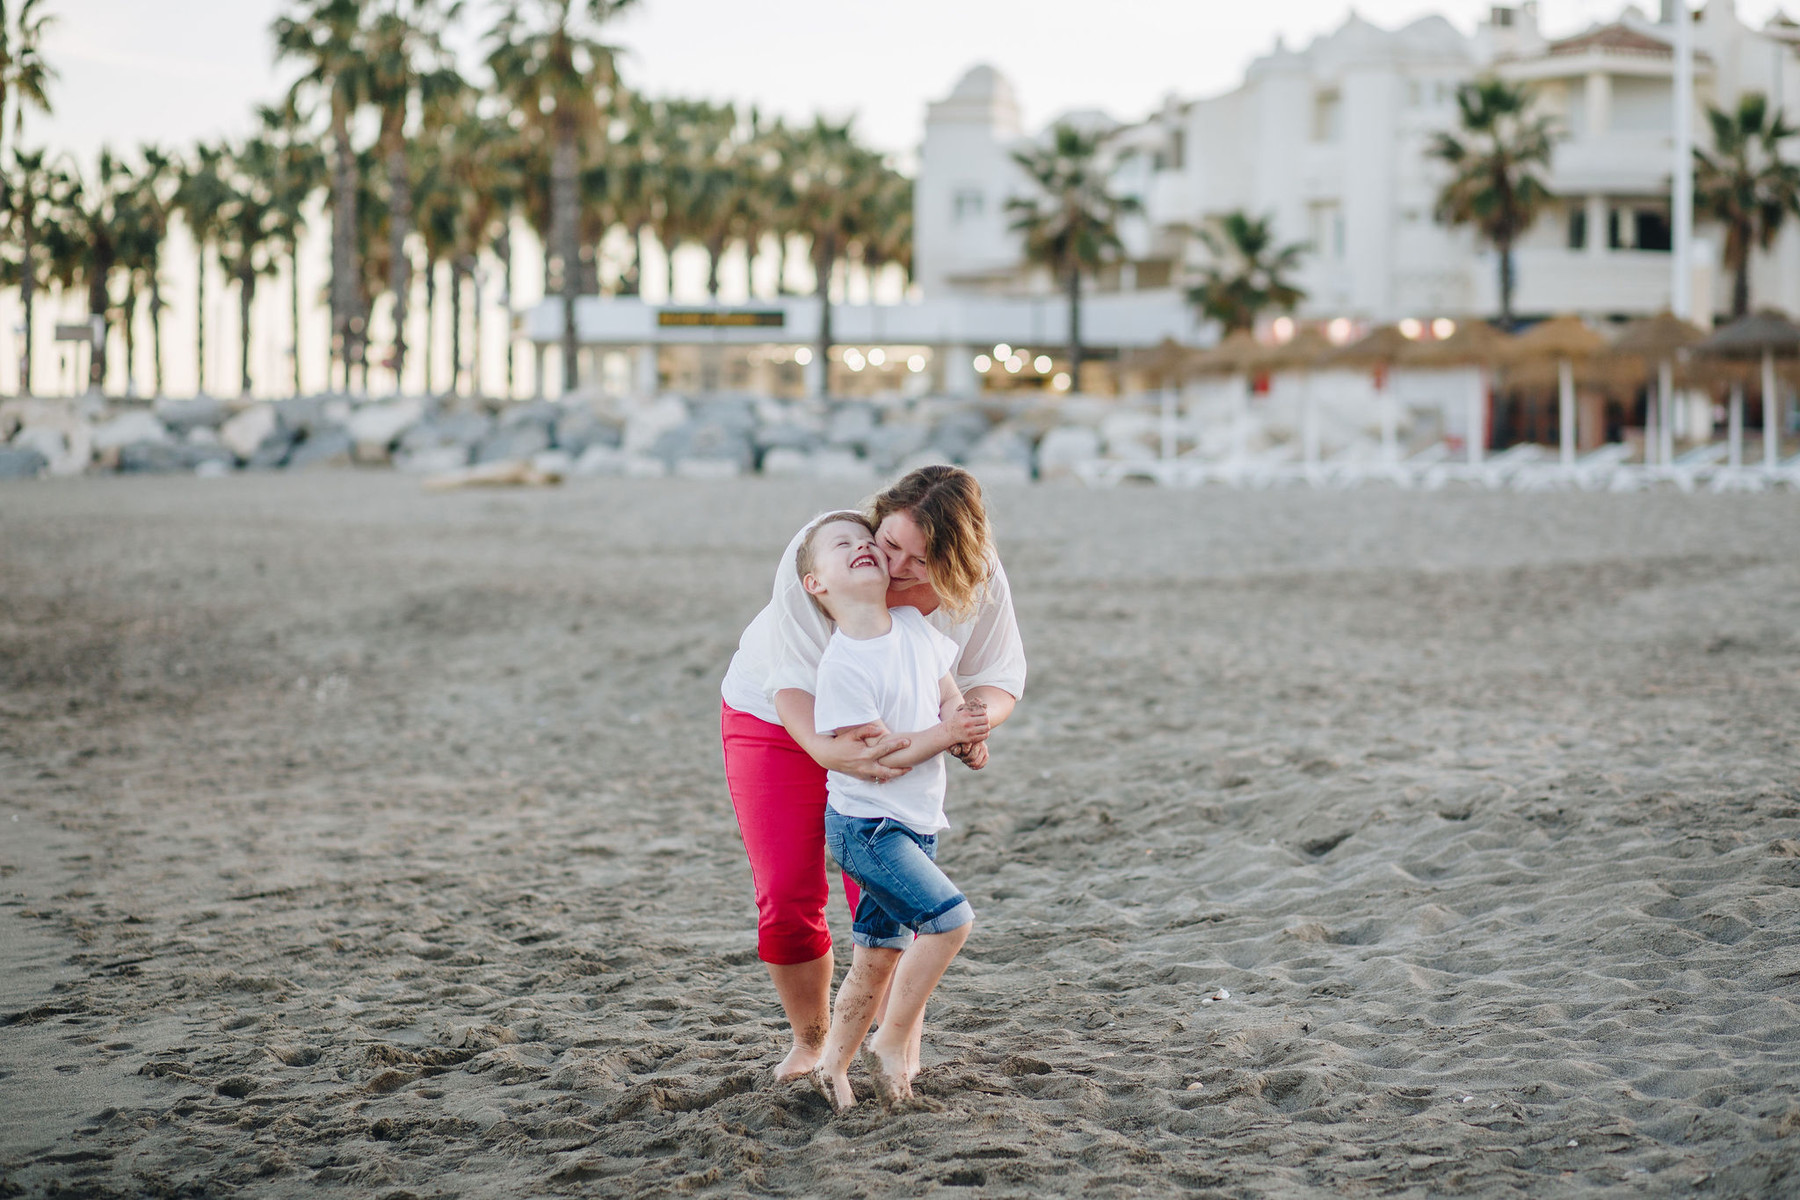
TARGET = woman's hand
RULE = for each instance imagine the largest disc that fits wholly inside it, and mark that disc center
(859, 752)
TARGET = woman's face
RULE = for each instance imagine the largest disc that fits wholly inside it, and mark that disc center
(901, 543)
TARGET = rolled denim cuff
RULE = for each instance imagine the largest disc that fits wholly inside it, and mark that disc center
(955, 917)
(879, 943)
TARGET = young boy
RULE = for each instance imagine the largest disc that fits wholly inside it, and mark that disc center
(891, 667)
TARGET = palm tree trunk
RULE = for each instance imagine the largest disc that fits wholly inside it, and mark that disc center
(294, 306)
(125, 323)
(1740, 281)
(399, 266)
(27, 292)
(456, 327)
(503, 247)
(1506, 285)
(246, 296)
(343, 238)
(565, 218)
(430, 319)
(822, 264)
(97, 308)
(156, 325)
(1075, 327)
(200, 322)
(715, 250)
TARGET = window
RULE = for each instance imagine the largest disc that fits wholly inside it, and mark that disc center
(1653, 231)
(1327, 106)
(966, 205)
(1577, 229)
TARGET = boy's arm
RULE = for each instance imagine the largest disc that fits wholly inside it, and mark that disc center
(961, 724)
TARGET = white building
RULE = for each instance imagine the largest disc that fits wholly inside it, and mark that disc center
(1330, 140)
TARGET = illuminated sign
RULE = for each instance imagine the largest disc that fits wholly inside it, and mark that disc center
(714, 319)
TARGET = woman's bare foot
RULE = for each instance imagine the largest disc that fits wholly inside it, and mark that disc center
(888, 1069)
(835, 1089)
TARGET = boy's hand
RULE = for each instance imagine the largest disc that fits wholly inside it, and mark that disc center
(968, 725)
(873, 742)
(974, 757)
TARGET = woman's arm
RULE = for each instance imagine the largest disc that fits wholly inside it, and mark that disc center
(850, 754)
(999, 703)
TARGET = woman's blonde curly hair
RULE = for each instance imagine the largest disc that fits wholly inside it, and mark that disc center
(945, 503)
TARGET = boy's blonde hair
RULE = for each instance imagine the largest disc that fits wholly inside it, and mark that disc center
(803, 557)
(945, 503)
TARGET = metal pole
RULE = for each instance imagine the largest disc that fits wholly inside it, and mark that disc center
(1771, 412)
(1682, 169)
(1565, 399)
(1665, 402)
(1168, 424)
(1736, 428)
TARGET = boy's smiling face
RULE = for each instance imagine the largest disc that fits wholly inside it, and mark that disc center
(846, 564)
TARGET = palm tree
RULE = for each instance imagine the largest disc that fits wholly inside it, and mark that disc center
(560, 78)
(25, 77)
(298, 172)
(326, 38)
(1492, 186)
(1248, 272)
(201, 196)
(407, 64)
(33, 196)
(93, 223)
(152, 204)
(1745, 186)
(248, 232)
(1072, 225)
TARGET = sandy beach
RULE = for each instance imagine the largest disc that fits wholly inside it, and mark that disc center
(360, 837)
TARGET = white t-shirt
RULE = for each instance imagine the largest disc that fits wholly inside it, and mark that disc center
(782, 646)
(892, 679)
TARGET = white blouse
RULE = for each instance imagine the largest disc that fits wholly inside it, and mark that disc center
(781, 647)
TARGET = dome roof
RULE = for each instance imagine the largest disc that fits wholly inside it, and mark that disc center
(983, 83)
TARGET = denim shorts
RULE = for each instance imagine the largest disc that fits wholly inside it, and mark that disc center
(902, 887)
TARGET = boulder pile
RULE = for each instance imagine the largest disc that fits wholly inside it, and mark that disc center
(710, 437)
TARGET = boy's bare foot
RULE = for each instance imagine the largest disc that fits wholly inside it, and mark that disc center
(888, 1070)
(836, 1091)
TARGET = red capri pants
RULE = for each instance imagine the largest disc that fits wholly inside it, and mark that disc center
(779, 794)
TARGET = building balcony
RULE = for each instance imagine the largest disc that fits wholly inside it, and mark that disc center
(1617, 164)
(1546, 281)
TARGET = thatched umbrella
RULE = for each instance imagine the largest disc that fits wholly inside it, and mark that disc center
(1237, 355)
(1471, 344)
(1171, 364)
(1760, 335)
(1306, 350)
(1662, 339)
(1378, 351)
(1564, 341)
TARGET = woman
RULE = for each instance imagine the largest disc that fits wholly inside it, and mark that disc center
(932, 528)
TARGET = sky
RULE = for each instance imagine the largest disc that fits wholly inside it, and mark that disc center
(174, 71)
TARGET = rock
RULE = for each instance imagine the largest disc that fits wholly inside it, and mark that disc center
(465, 429)
(376, 427)
(851, 425)
(1130, 435)
(644, 466)
(708, 468)
(154, 458)
(432, 460)
(579, 427)
(58, 429)
(274, 450)
(302, 414)
(553, 462)
(326, 446)
(707, 440)
(735, 414)
(890, 445)
(600, 460)
(785, 435)
(245, 431)
(839, 463)
(784, 462)
(1065, 450)
(543, 413)
(127, 428)
(1002, 445)
(202, 435)
(184, 416)
(649, 421)
(53, 446)
(931, 456)
(516, 444)
(21, 462)
(213, 468)
(494, 474)
(1000, 472)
